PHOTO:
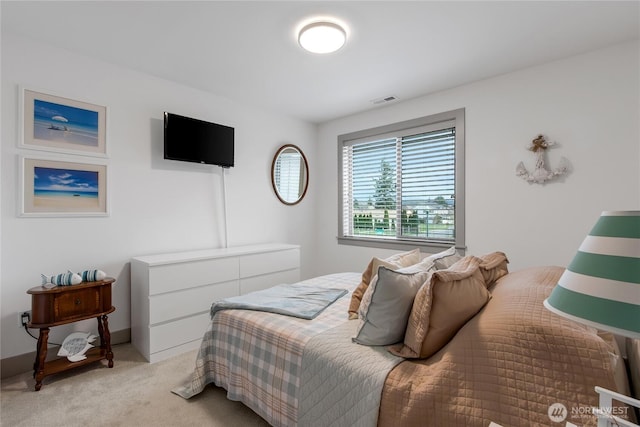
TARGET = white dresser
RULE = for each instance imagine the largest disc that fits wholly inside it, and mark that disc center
(171, 294)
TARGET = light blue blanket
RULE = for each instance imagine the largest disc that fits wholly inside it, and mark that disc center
(297, 300)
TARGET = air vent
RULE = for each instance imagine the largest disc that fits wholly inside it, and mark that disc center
(383, 100)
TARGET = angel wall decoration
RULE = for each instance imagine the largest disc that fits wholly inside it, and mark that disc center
(541, 174)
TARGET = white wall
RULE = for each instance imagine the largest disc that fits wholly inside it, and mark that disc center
(156, 205)
(588, 104)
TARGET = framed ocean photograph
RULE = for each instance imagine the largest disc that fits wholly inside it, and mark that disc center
(54, 123)
(62, 188)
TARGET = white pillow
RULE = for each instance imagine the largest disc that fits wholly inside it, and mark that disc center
(445, 259)
(426, 264)
(386, 306)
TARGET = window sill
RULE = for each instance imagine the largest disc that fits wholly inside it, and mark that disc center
(395, 244)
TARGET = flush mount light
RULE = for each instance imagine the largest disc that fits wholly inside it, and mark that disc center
(322, 37)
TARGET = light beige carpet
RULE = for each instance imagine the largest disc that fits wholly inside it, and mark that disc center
(132, 393)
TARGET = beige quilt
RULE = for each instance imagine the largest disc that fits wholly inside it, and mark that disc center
(508, 364)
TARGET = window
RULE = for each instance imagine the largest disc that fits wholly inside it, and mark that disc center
(403, 184)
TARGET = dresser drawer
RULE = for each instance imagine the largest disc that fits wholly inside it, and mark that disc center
(174, 305)
(173, 334)
(185, 275)
(257, 283)
(269, 262)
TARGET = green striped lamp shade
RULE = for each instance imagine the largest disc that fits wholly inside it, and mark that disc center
(601, 286)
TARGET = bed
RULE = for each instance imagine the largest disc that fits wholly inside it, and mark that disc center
(508, 362)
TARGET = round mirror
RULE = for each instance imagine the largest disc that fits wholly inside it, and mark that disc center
(289, 174)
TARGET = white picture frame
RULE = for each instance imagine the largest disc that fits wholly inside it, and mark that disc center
(61, 187)
(59, 124)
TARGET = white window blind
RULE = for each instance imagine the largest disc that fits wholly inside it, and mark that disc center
(403, 188)
(428, 185)
(288, 175)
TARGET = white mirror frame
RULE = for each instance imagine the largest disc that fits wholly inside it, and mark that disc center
(304, 175)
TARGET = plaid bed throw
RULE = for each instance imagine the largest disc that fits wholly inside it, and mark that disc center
(256, 356)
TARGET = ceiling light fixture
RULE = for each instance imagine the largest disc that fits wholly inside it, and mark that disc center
(322, 37)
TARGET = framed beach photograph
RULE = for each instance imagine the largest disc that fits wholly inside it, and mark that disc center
(62, 188)
(63, 125)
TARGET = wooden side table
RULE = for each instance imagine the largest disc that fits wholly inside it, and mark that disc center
(67, 304)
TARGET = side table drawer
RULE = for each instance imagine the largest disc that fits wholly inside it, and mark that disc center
(77, 303)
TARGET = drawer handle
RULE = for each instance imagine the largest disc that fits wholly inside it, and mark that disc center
(78, 301)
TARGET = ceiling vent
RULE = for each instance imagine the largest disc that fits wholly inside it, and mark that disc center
(384, 100)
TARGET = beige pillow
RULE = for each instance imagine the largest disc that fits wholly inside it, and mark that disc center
(441, 307)
(399, 260)
(493, 266)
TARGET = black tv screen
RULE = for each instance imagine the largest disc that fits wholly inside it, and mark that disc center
(193, 140)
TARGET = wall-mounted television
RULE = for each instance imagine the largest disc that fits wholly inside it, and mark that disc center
(198, 141)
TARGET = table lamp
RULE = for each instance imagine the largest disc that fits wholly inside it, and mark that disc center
(601, 288)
